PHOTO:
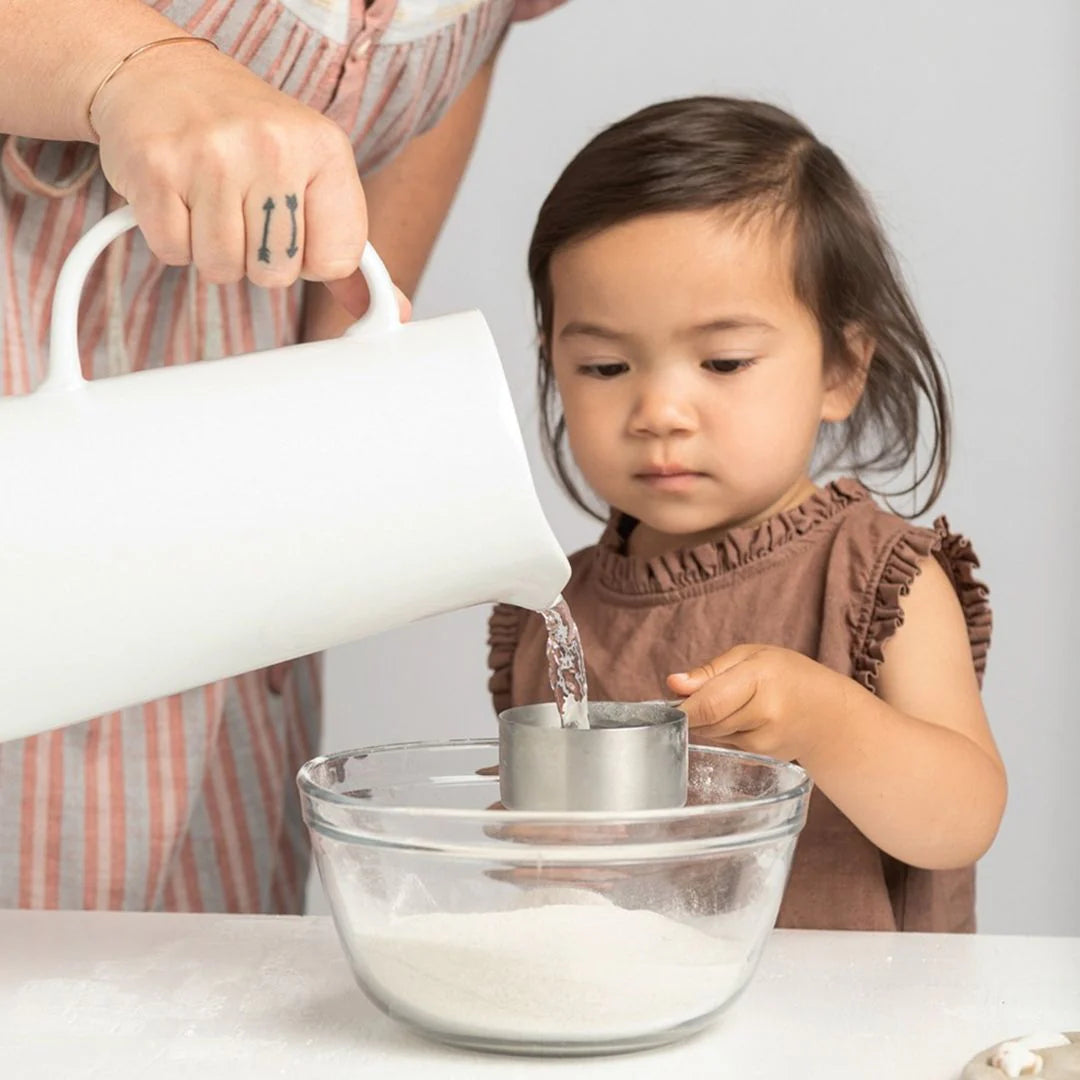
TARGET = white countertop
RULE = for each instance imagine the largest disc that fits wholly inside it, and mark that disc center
(206, 997)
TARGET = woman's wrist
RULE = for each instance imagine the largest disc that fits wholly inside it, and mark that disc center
(162, 89)
(118, 69)
(50, 69)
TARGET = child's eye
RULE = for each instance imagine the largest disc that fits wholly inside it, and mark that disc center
(604, 371)
(725, 367)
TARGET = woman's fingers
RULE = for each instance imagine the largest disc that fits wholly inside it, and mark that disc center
(336, 216)
(353, 295)
(274, 226)
(166, 224)
(225, 171)
(218, 237)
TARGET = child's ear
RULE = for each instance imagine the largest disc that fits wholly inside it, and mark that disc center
(846, 379)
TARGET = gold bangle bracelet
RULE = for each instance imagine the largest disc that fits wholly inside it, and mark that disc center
(131, 56)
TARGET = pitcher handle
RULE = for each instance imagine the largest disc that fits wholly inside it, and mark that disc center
(65, 370)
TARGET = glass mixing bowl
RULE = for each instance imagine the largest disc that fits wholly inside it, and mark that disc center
(548, 933)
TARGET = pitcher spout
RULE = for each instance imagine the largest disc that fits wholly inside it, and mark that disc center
(537, 585)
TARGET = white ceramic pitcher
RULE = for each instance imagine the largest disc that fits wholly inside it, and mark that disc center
(163, 529)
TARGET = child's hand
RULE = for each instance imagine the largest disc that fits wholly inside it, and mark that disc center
(224, 171)
(762, 699)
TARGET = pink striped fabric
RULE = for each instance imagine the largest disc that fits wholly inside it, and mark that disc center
(188, 804)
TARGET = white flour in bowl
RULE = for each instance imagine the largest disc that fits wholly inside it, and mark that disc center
(556, 973)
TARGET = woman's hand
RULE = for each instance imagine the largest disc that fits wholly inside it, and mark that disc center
(226, 172)
(764, 700)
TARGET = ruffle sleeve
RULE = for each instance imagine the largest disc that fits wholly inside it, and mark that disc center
(504, 629)
(883, 612)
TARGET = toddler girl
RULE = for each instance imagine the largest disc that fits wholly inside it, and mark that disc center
(720, 317)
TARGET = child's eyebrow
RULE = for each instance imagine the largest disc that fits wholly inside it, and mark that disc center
(585, 329)
(713, 326)
(730, 322)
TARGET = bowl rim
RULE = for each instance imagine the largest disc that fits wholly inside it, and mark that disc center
(317, 793)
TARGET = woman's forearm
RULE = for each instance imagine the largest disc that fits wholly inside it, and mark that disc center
(54, 53)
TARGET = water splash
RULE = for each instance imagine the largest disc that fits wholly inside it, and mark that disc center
(566, 665)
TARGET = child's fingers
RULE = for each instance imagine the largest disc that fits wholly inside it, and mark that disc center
(732, 733)
(682, 683)
(749, 742)
(686, 682)
(716, 710)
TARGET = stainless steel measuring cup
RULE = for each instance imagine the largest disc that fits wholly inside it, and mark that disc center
(633, 756)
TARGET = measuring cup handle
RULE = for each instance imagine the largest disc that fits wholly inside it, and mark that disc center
(65, 370)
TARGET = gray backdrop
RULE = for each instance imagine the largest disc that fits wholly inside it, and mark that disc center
(963, 120)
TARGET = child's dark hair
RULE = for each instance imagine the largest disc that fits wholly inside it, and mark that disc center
(708, 153)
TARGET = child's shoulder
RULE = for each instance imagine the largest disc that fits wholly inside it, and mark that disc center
(884, 537)
(879, 554)
(862, 519)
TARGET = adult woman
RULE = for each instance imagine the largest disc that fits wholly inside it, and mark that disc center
(243, 164)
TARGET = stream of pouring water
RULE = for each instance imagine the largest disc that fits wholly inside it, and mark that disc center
(566, 666)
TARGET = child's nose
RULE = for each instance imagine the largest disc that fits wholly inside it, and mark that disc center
(662, 411)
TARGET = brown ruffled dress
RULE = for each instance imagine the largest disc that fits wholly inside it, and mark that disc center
(825, 579)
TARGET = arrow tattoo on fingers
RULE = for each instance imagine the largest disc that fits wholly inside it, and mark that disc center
(264, 251)
(291, 203)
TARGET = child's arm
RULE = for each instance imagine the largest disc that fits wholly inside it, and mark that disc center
(915, 769)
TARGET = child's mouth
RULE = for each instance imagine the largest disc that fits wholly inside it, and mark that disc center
(670, 479)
